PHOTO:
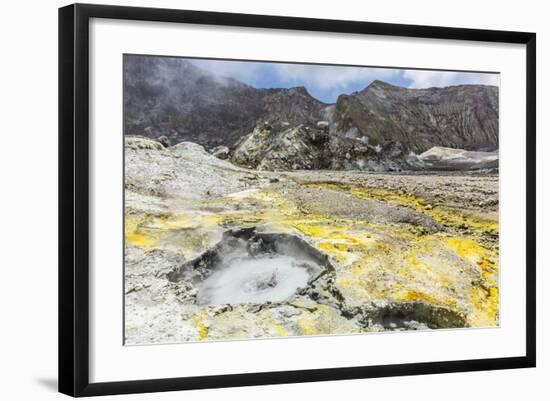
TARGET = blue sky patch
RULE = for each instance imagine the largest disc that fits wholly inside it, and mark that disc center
(327, 82)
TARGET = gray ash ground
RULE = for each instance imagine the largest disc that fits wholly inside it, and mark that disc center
(394, 251)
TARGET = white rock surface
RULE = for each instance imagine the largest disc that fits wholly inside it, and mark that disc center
(185, 170)
(440, 157)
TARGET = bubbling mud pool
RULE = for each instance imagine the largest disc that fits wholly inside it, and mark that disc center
(248, 267)
(251, 267)
(272, 278)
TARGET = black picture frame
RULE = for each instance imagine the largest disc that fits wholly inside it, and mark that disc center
(74, 198)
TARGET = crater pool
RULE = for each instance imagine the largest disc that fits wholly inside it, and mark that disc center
(269, 278)
(251, 267)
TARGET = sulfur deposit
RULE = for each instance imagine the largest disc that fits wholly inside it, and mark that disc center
(216, 252)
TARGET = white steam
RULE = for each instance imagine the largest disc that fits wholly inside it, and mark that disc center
(273, 278)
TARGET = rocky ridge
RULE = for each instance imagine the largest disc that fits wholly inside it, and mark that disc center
(381, 128)
(172, 98)
(462, 116)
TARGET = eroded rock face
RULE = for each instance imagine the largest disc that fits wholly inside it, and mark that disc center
(463, 117)
(298, 148)
(171, 97)
(381, 128)
(308, 148)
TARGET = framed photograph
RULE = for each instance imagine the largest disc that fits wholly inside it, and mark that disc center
(249, 199)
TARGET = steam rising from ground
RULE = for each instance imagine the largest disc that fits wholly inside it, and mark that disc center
(273, 278)
(250, 267)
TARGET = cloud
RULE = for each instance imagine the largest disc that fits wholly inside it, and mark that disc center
(314, 77)
(243, 71)
(427, 79)
(327, 82)
(321, 77)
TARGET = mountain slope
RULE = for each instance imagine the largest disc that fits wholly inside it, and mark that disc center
(382, 127)
(464, 116)
(171, 97)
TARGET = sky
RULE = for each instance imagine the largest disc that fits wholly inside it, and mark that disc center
(327, 82)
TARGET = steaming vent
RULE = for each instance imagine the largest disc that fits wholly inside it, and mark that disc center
(251, 267)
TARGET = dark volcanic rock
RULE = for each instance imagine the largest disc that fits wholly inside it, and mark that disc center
(383, 127)
(170, 97)
(463, 117)
(297, 148)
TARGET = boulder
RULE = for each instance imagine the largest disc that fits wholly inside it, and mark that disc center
(297, 148)
(221, 152)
